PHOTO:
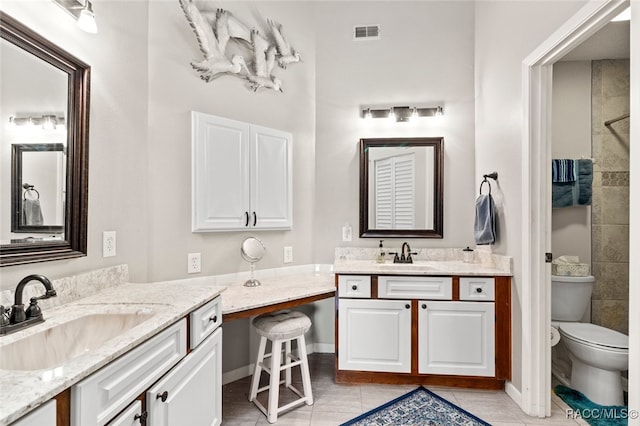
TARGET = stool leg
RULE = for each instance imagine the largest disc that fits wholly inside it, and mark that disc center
(287, 360)
(304, 369)
(257, 372)
(274, 381)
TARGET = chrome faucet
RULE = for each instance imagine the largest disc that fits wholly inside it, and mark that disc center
(19, 318)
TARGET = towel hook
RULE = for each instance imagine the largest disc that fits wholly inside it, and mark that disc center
(493, 176)
(28, 188)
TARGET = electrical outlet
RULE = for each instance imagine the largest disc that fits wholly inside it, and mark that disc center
(288, 254)
(108, 243)
(194, 264)
(346, 233)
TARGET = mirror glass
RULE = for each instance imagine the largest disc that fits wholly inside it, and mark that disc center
(401, 187)
(252, 250)
(37, 190)
(43, 148)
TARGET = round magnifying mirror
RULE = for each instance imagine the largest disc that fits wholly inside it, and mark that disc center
(252, 250)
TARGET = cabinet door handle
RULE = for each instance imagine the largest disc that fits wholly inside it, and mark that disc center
(213, 318)
(479, 290)
(142, 417)
(255, 218)
(408, 306)
(246, 220)
(424, 306)
(354, 287)
(163, 396)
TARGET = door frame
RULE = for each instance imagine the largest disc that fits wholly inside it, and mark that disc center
(537, 69)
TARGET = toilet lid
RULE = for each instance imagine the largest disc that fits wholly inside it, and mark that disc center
(595, 334)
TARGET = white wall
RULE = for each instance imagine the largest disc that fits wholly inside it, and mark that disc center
(424, 56)
(505, 33)
(571, 138)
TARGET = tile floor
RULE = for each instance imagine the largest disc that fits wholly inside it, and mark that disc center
(335, 404)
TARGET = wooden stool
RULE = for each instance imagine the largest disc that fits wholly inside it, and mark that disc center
(281, 327)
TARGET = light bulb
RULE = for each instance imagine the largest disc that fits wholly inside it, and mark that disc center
(87, 20)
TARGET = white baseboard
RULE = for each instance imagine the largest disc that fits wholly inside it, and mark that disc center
(324, 348)
(247, 370)
(237, 374)
(513, 393)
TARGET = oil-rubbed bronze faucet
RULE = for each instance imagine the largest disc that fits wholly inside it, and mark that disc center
(19, 318)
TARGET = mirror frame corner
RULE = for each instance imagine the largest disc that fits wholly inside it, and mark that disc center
(438, 209)
(76, 208)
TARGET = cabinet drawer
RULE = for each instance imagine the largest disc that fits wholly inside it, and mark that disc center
(106, 392)
(203, 321)
(131, 416)
(433, 288)
(477, 288)
(355, 286)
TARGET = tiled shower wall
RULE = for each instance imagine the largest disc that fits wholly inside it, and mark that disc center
(610, 203)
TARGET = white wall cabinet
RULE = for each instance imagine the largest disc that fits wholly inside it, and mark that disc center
(456, 338)
(190, 394)
(374, 335)
(241, 176)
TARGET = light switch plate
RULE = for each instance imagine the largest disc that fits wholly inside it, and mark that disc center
(108, 243)
(346, 233)
(288, 254)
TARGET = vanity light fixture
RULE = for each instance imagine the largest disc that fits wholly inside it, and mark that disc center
(82, 11)
(401, 114)
(48, 121)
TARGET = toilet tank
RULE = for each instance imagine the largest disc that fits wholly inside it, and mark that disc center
(570, 297)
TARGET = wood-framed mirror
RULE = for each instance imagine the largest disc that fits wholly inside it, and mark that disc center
(401, 187)
(24, 55)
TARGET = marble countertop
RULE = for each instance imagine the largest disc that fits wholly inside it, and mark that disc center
(237, 298)
(426, 261)
(22, 391)
(435, 267)
(169, 301)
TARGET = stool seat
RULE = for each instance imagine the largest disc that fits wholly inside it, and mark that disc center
(282, 325)
(281, 328)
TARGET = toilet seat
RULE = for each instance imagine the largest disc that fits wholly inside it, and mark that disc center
(595, 336)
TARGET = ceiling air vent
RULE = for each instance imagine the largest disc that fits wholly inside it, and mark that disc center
(366, 32)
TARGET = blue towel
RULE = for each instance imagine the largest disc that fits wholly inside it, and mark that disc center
(485, 222)
(578, 193)
(563, 171)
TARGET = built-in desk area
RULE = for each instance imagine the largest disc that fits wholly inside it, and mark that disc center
(276, 293)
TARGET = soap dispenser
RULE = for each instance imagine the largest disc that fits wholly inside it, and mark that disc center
(380, 257)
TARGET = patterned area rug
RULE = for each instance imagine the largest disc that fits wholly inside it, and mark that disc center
(418, 407)
(590, 412)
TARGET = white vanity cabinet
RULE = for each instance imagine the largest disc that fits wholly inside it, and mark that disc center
(190, 394)
(174, 378)
(241, 176)
(456, 338)
(440, 330)
(45, 415)
(375, 335)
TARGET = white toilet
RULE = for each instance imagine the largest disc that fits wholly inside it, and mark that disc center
(598, 355)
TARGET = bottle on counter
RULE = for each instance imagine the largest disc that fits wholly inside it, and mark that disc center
(380, 257)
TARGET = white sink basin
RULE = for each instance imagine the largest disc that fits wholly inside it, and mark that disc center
(416, 266)
(65, 341)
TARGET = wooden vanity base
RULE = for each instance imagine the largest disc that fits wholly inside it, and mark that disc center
(470, 382)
